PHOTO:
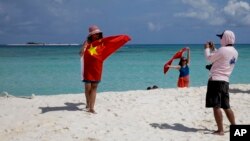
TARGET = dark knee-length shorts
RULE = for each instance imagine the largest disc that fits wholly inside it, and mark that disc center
(217, 94)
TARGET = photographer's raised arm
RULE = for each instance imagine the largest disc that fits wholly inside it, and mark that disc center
(211, 57)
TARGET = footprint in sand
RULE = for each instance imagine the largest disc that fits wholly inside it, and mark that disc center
(115, 114)
(91, 139)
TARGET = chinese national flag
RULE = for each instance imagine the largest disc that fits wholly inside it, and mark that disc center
(176, 56)
(97, 52)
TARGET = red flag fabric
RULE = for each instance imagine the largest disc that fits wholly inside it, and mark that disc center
(176, 56)
(96, 53)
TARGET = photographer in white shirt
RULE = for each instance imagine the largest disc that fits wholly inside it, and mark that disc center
(223, 61)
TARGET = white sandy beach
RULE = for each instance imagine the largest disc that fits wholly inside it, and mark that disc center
(153, 115)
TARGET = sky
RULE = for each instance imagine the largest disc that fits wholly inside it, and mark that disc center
(145, 21)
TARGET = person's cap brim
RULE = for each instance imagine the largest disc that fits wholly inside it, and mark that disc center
(219, 35)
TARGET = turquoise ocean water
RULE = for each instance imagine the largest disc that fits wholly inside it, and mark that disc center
(50, 70)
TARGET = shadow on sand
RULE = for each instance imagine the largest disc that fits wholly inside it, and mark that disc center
(177, 127)
(236, 90)
(68, 107)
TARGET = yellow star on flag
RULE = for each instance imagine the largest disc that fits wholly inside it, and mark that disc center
(92, 50)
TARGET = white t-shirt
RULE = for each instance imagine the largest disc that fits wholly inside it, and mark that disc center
(223, 61)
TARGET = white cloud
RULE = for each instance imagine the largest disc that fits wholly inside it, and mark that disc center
(154, 27)
(237, 8)
(202, 10)
(235, 12)
(238, 11)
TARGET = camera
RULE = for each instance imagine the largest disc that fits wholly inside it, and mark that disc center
(211, 46)
(209, 66)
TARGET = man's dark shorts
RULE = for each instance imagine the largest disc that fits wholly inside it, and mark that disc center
(217, 94)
